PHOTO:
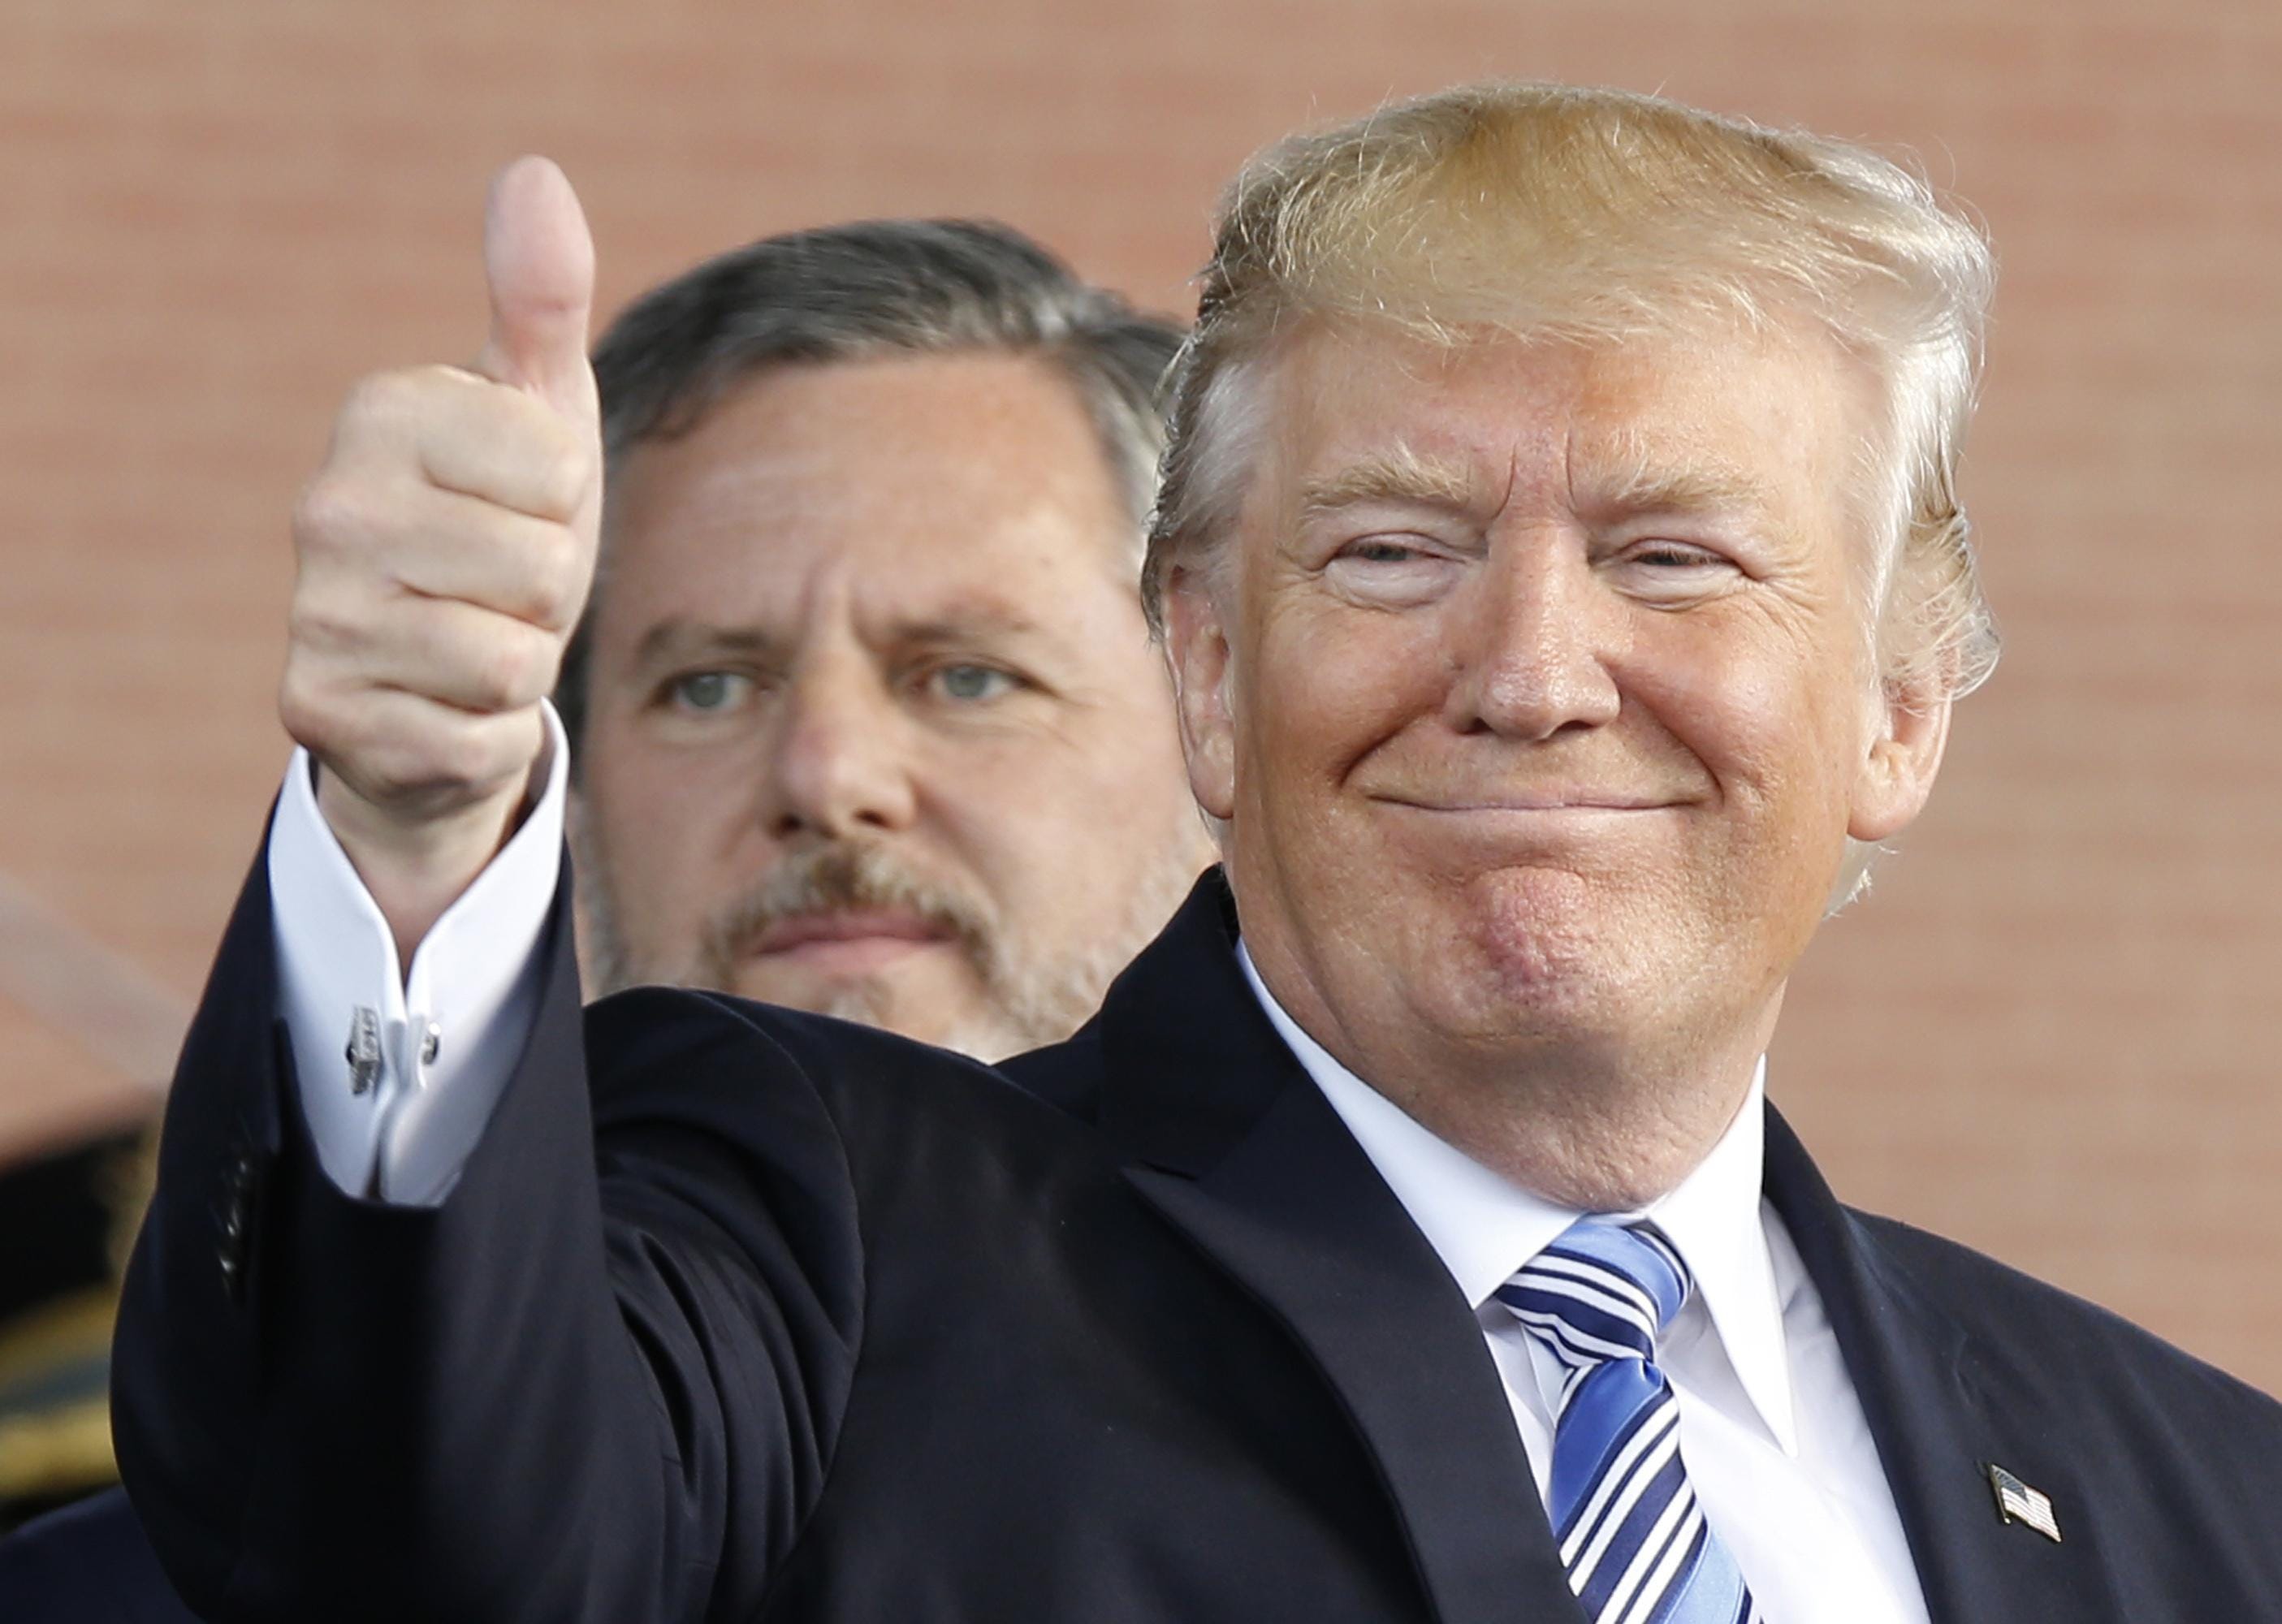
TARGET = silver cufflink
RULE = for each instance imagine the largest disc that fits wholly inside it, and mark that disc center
(363, 1051)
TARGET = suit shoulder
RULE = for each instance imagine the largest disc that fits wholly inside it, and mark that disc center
(2038, 1332)
(652, 1042)
(638, 1027)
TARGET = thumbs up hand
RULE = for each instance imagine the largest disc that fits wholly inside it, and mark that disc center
(446, 549)
(539, 267)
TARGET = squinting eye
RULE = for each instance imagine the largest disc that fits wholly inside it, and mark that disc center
(971, 682)
(1382, 552)
(706, 692)
(1393, 570)
(1676, 555)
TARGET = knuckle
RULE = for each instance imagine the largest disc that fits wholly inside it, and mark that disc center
(326, 512)
(310, 631)
(351, 742)
(546, 665)
(556, 581)
(309, 720)
(511, 671)
(319, 621)
(465, 759)
(498, 674)
(468, 756)
(380, 401)
(563, 469)
(305, 629)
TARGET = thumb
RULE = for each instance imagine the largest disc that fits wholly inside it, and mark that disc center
(539, 262)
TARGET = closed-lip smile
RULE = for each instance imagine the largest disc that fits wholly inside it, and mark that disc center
(1537, 801)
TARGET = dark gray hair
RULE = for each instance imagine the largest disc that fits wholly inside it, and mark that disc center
(859, 292)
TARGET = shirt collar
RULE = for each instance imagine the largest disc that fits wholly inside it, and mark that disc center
(1483, 1226)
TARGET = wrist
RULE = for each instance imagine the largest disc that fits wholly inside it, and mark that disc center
(416, 867)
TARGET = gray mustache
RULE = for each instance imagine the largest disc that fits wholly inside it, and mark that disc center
(842, 878)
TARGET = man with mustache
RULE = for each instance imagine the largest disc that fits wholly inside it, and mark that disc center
(1562, 570)
(863, 717)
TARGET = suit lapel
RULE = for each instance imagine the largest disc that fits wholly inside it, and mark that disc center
(1930, 1393)
(1230, 1141)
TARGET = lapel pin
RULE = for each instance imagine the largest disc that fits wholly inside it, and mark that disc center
(2016, 1501)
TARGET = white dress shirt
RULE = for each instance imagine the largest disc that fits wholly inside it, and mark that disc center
(1771, 1428)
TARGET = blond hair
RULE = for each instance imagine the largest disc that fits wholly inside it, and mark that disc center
(1548, 211)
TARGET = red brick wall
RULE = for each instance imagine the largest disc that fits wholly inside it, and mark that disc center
(2051, 1033)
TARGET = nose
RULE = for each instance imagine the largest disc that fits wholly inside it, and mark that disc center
(840, 764)
(1534, 652)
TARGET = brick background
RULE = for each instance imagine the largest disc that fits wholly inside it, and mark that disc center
(2049, 1034)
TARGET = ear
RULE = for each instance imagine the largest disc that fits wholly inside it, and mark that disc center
(1197, 648)
(1896, 773)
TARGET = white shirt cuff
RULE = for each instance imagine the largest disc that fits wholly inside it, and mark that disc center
(399, 1074)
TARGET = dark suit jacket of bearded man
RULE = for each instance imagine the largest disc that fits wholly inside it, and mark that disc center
(742, 1314)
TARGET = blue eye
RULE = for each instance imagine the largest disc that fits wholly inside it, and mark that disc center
(708, 692)
(970, 683)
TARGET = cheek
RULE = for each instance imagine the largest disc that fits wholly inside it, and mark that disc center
(1768, 722)
(671, 820)
(1322, 689)
(1018, 813)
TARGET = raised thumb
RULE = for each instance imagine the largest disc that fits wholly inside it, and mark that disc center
(539, 264)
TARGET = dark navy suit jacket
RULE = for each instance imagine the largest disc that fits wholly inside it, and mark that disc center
(740, 1314)
(87, 1564)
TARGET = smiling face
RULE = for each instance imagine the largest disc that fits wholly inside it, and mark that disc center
(1535, 691)
(873, 725)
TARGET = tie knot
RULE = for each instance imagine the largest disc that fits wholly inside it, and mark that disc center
(1603, 1291)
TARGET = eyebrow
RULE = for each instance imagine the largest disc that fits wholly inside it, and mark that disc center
(678, 637)
(1631, 481)
(1400, 475)
(975, 619)
(967, 619)
(1685, 490)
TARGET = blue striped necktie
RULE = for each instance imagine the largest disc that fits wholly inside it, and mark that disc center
(1632, 1535)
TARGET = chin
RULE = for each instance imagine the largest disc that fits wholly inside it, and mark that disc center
(1535, 927)
(1538, 950)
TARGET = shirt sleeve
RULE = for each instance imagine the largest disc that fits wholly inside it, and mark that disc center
(399, 1073)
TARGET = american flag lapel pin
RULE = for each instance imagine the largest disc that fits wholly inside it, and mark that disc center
(2016, 1501)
